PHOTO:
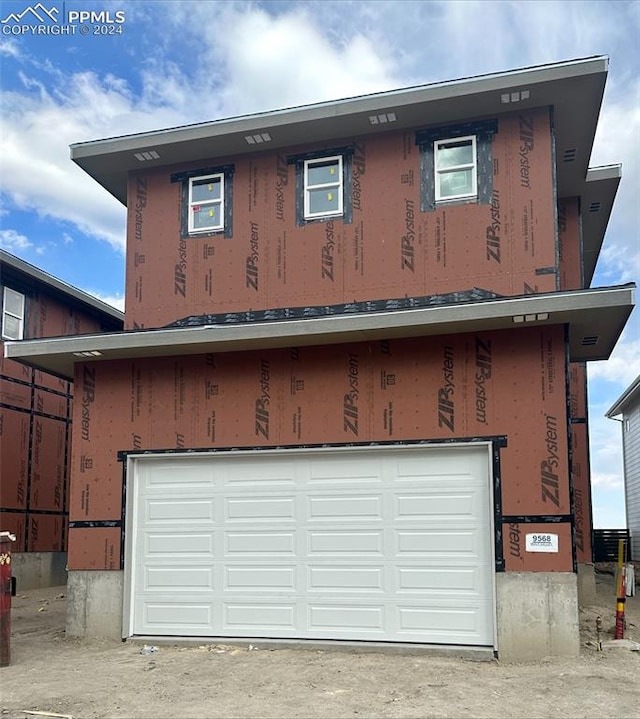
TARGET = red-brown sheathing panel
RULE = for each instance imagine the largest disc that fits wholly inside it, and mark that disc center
(48, 317)
(95, 548)
(43, 379)
(430, 388)
(35, 482)
(15, 523)
(581, 491)
(390, 249)
(45, 532)
(11, 368)
(570, 244)
(47, 464)
(15, 394)
(518, 559)
(578, 390)
(14, 458)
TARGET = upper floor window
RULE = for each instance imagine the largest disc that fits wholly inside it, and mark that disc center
(323, 187)
(455, 168)
(12, 315)
(206, 203)
(456, 164)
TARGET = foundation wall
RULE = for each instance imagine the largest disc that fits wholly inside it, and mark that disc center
(34, 570)
(537, 615)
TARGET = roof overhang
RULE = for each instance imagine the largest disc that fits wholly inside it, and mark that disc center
(626, 399)
(595, 317)
(574, 89)
(597, 199)
(34, 275)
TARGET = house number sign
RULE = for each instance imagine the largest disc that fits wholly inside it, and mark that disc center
(541, 543)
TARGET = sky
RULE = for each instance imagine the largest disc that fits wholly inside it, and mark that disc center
(171, 63)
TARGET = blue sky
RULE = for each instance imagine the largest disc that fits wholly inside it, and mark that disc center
(188, 61)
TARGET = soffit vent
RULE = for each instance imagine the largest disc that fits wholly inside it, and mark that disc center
(569, 155)
(147, 155)
(258, 139)
(590, 341)
(594, 207)
(509, 97)
(382, 119)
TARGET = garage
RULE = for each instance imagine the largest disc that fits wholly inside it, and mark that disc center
(376, 544)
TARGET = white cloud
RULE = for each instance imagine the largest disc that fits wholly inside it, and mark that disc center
(9, 47)
(621, 367)
(608, 480)
(280, 61)
(116, 301)
(607, 476)
(269, 62)
(12, 240)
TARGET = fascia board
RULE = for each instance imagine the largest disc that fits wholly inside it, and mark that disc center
(607, 308)
(348, 106)
(51, 282)
(626, 398)
(567, 85)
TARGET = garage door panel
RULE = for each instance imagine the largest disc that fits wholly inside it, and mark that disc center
(355, 507)
(178, 578)
(340, 617)
(176, 509)
(264, 508)
(246, 617)
(164, 616)
(188, 544)
(388, 545)
(263, 477)
(440, 466)
(438, 543)
(337, 471)
(350, 578)
(423, 505)
(260, 578)
(251, 543)
(440, 620)
(441, 580)
(179, 476)
(350, 542)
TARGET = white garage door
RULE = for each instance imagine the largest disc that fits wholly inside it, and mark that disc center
(390, 544)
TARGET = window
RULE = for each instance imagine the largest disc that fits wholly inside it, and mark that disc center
(12, 315)
(456, 164)
(323, 187)
(206, 203)
(455, 168)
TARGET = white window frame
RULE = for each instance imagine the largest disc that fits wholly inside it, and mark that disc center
(193, 203)
(6, 313)
(338, 185)
(455, 168)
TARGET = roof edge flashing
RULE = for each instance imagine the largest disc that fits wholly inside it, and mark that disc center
(344, 106)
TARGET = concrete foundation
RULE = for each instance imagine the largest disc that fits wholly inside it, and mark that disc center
(94, 604)
(586, 585)
(537, 615)
(34, 570)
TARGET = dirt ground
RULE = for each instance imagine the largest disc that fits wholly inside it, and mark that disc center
(90, 679)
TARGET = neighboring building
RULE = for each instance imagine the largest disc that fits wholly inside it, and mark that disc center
(350, 402)
(628, 405)
(35, 418)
